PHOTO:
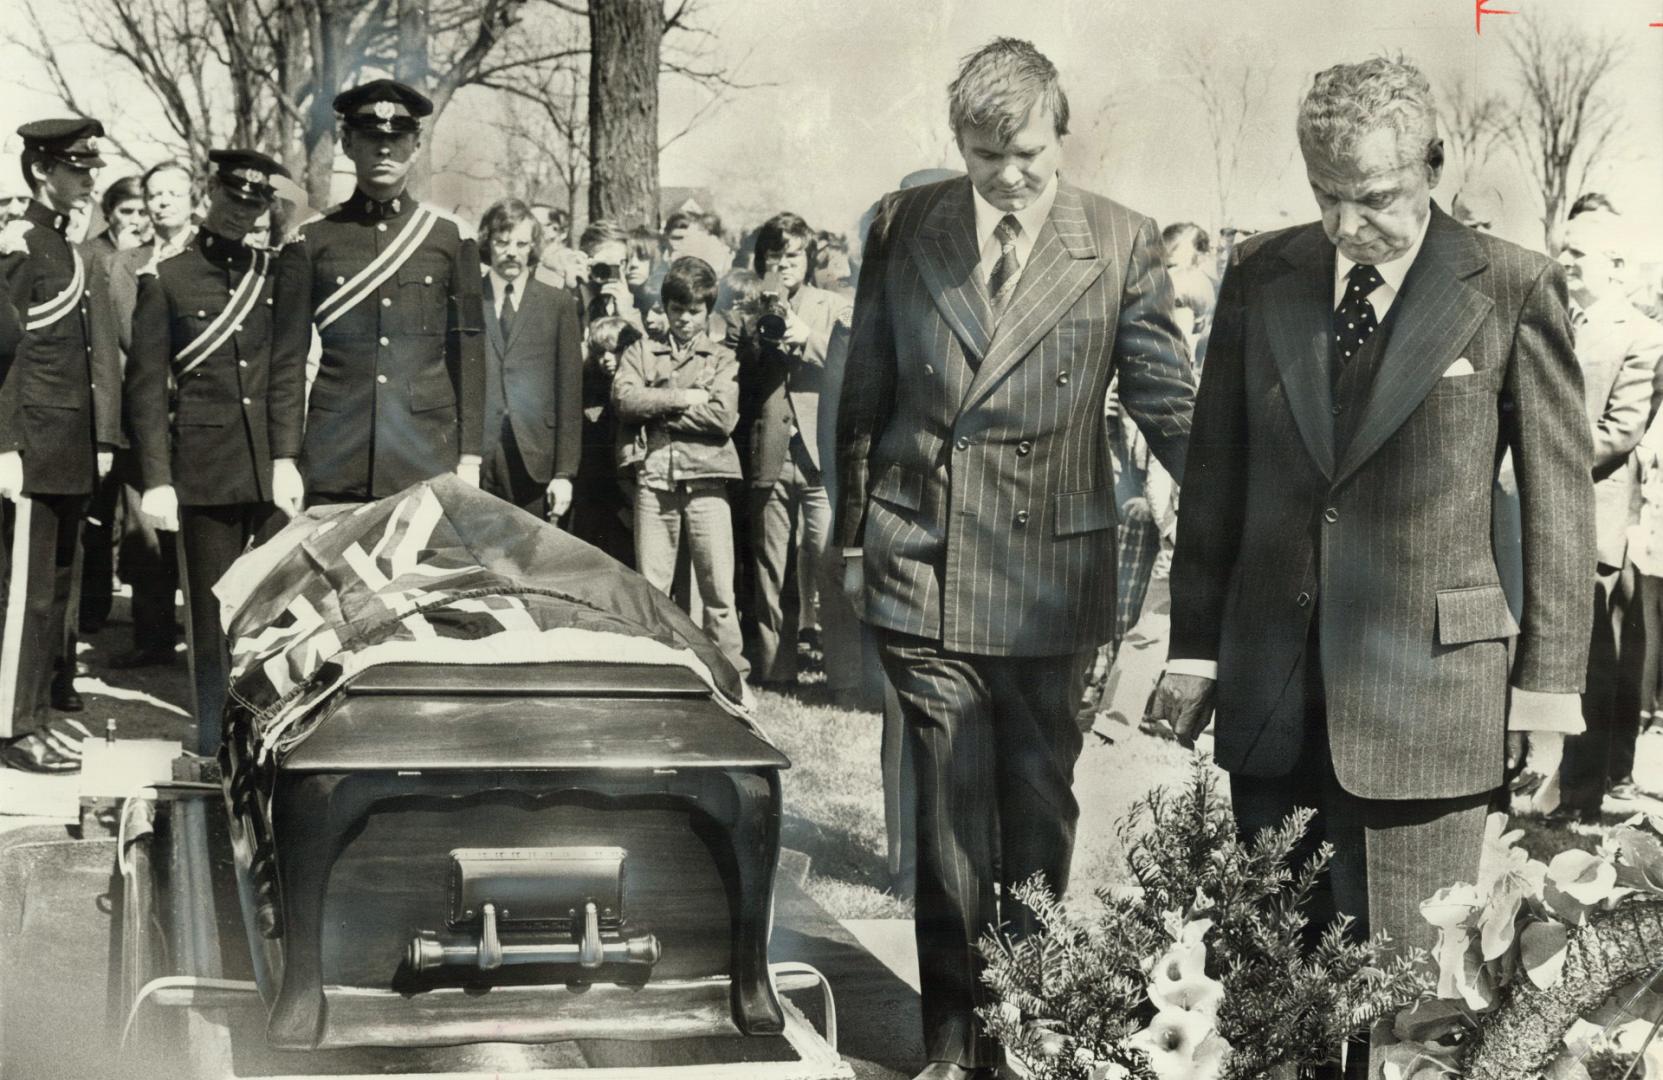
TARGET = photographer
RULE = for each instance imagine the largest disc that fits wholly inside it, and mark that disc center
(784, 347)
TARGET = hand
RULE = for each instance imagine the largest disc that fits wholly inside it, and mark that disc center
(1518, 750)
(796, 330)
(559, 496)
(288, 490)
(1137, 510)
(467, 470)
(159, 507)
(1185, 702)
(106, 462)
(694, 396)
(11, 475)
(854, 581)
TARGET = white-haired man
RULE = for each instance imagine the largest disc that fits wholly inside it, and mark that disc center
(1335, 589)
(976, 487)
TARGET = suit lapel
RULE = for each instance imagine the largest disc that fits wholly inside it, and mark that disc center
(1298, 319)
(1062, 264)
(945, 246)
(493, 329)
(1433, 318)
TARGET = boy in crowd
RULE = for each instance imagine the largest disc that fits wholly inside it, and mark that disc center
(677, 401)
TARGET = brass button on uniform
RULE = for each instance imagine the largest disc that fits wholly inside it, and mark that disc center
(386, 301)
(382, 340)
(1302, 599)
(242, 363)
(381, 378)
(381, 226)
(202, 314)
(1330, 515)
(929, 370)
(246, 401)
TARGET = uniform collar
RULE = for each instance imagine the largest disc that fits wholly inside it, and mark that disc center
(40, 214)
(375, 210)
(220, 248)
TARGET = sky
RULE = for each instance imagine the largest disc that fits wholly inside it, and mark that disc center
(850, 96)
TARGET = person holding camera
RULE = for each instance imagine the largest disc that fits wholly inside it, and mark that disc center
(785, 345)
(533, 370)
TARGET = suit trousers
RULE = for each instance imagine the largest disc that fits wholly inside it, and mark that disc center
(697, 510)
(505, 475)
(210, 540)
(797, 499)
(1604, 752)
(994, 742)
(54, 536)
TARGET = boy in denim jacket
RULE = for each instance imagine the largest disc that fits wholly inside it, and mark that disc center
(677, 402)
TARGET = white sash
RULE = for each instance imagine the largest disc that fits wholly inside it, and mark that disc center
(42, 315)
(242, 301)
(370, 278)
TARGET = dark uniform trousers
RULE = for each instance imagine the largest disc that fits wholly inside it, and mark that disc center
(1604, 752)
(994, 742)
(54, 534)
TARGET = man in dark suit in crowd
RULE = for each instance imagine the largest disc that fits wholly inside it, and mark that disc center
(1335, 588)
(58, 429)
(392, 286)
(1618, 349)
(198, 393)
(533, 370)
(974, 476)
(783, 366)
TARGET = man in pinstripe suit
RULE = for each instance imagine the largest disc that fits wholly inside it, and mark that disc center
(976, 501)
(1335, 583)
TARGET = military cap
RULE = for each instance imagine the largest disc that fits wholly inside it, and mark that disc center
(246, 174)
(72, 141)
(382, 105)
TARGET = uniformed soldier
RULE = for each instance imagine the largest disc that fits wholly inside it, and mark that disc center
(57, 426)
(393, 288)
(202, 327)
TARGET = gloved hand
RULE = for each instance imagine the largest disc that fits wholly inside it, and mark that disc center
(106, 462)
(11, 475)
(288, 490)
(467, 469)
(159, 506)
(559, 496)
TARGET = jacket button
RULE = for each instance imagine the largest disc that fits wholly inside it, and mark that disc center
(386, 301)
(929, 370)
(202, 314)
(427, 279)
(381, 226)
(1337, 409)
(382, 340)
(1021, 518)
(1024, 447)
(962, 443)
(1302, 599)
(340, 281)
(237, 329)
(246, 401)
(381, 378)
(1062, 378)
(242, 363)
(1330, 515)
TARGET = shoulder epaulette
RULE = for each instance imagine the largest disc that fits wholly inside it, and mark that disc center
(463, 228)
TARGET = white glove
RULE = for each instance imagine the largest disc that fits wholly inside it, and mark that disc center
(467, 470)
(106, 462)
(559, 496)
(288, 490)
(159, 507)
(11, 475)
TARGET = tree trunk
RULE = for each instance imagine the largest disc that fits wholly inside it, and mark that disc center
(624, 38)
(412, 69)
(328, 33)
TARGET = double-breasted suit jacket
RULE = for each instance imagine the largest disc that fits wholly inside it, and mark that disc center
(60, 382)
(973, 463)
(203, 420)
(785, 387)
(1385, 540)
(393, 288)
(1618, 349)
(534, 380)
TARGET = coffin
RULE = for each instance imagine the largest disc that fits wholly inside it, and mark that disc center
(565, 829)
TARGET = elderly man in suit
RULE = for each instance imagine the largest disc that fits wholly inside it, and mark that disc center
(974, 476)
(1335, 588)
(533, 370)
(784, 365)
(1618, 349)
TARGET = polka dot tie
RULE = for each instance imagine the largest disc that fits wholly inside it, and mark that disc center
(1354, 320)
(1001, 283)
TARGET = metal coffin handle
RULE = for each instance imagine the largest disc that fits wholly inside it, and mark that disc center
(429, 951)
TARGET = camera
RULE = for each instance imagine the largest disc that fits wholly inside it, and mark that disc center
(771, 316)
(601, 273)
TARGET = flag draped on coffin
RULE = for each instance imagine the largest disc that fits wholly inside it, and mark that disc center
(440, 573)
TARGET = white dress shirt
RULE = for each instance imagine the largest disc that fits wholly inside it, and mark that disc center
(499, 289)
(1030, 217)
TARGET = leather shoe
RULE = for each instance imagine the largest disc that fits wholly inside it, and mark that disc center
(151, 656)
(65, 698)
(33, 753)
(948, 1070)
(1562, 816)
(1625, 790)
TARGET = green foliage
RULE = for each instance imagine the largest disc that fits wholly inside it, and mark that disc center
(1070, 994)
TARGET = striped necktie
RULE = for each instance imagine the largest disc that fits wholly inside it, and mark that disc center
(1001, 282)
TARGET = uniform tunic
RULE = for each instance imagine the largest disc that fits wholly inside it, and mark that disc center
(400, 389)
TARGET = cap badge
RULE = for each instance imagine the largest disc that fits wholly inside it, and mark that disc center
(93, 145)
(255, 176)
(383, 110)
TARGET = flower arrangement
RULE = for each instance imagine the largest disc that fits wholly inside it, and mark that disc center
(1201, 971)
(1530, 948)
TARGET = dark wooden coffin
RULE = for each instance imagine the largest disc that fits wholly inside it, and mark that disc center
(523, 853)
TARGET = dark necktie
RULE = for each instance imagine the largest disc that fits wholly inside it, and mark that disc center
(1354, 320)
(1001, 282)
(506, 318)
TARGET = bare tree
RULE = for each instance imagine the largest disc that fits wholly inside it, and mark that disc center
(1565, 123)
(1230, 91)
(1475, 123)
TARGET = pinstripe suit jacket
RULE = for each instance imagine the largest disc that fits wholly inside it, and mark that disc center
(1390, 539)
(972, 459)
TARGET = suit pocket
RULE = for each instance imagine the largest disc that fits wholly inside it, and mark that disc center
(1084, 511)
(1476, 613)
(431, 391)
(899, 486)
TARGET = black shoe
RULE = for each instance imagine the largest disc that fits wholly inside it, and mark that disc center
(136, 658)
(65, 698)
(1563, 816)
